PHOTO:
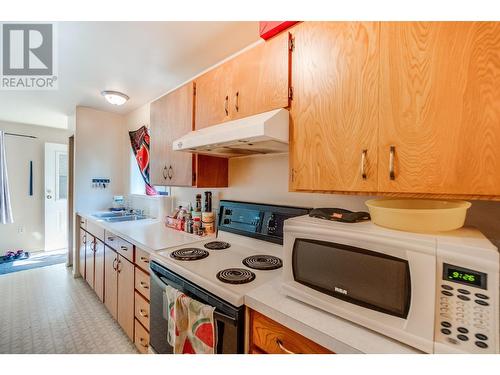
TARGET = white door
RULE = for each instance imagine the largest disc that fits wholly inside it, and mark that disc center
(56, 196)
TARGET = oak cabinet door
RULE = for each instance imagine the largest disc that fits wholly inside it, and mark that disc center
(179, 121)
(110, 281)
(334, 111)
(81, 254)
(89, 259)
(440, 107)
(260, 78)
(125, 311)
(213, 96)
(99, 270)
(158, 144)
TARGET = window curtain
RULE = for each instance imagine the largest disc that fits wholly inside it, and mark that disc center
(140, 145)
(5, 206)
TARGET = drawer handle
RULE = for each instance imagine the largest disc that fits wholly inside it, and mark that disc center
(282, 347)
(142, 341)
(144, 285)
(143, 313)
(124, 248)
(144, 259)
(363, 164)
(392, 151)
(111, 239)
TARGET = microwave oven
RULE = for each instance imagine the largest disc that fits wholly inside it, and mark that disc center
(438, 293)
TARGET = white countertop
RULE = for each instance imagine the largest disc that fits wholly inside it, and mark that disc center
(330, 331)
(150, 235)
(334, 333)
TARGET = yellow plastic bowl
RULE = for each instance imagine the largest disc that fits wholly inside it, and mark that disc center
(418, 215)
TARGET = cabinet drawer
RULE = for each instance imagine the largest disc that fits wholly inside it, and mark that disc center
(142, 309)
(141, 338)
(273, 338)
(142, 282)
(95, 230)
(122, 247)
(142, 259)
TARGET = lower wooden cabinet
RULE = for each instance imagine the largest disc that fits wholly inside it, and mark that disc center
(141, 338)
(82, 245)
(269, 337)
(89, 260)
(119, 290)
(99, 269)
(110, 281)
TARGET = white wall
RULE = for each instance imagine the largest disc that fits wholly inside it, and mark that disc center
(99, 150)
(27, 231)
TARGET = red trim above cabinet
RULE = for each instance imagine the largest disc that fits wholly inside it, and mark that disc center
(268, 29)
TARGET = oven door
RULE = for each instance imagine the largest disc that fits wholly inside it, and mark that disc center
(229, 320)
(382, 283)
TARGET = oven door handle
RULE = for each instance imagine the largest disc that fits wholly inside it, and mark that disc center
(217, 315)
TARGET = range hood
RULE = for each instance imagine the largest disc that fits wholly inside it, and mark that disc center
(265, 133)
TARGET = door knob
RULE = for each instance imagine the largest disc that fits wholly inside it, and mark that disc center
(49, 196)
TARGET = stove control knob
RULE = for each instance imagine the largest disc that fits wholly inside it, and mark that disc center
(227, 211)
(227, 221)
(272, 225)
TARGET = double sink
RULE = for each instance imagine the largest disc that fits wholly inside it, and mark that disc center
(115, 217)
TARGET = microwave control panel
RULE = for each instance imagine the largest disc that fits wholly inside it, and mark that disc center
(465, 311)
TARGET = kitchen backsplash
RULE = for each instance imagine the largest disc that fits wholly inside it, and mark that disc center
(264, 179)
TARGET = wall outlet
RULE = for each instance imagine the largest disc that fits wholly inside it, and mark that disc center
(20, 229)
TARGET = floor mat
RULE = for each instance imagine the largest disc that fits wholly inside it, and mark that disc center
(36, 260)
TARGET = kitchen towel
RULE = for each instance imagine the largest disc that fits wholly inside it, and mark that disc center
(191, 325)
(5, 206)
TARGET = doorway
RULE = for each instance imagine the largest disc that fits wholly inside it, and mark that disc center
(56, 196)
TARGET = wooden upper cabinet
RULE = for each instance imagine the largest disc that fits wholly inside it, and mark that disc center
(158, 147)
(440, 108)
(172, 117)
(334, 111)
(213, 95)
(253, 82)
(260, 78)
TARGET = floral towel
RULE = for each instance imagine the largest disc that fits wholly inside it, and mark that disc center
(191, 328)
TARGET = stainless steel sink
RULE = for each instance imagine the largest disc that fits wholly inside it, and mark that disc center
(125, 218)
(105, 215)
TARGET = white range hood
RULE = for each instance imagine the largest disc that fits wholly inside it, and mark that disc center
(264, 133)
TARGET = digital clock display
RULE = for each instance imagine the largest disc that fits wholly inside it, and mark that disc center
(464, 276)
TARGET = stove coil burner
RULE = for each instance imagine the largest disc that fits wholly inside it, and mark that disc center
(189, 253)
(217, 245)
(263, 262)
(236, 276)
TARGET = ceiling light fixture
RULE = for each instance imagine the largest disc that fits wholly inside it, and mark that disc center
(115, 97)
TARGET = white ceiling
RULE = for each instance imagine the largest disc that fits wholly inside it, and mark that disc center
(141, 59)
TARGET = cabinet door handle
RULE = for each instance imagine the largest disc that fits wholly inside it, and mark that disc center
(392, 151)
(237, 101)
(170, 173)
(143, 342)
(282, 347)
(363, 164)
(144, 259)
(164, 172)
(118, 268)
(144, 285)
(226, 105)
(143, 313)
(114, 265)
(84, 239)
